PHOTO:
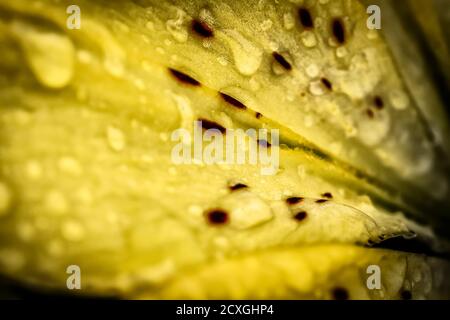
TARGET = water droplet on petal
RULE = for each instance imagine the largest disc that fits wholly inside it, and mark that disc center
(84, 56)
(399, 99)
(247, 56)
(221, 243)
(84, 195)
(341, 52)
(69, 165)
(140, 84)
(316, 88)
(312, 70)
(246, 209)
(51, 55)
(72, 231)
(114, 66)
(185, 109)
(33, 169)
(309, 121)
(150, 25)
(56, 202)
(372, 130)
(309, 39)
(116, 138)
(195, 210)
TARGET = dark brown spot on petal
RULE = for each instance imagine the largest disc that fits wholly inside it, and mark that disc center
(202, 29)
(327, 83)
(184, 78)
(379, 103)
(370, 113)
(305, 18)
(406, 295)
(282, 61)
(299, 216)
(327, 195)
(340, 294)
(208, 124)
(232, 101)
(321, 200)
(264, 143)
(258, 115)
(294, 200)
(338, 30)
(238, 186)
(217, 216)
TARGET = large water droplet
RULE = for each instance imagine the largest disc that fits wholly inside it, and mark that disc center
(50, 55)
(247, 56)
